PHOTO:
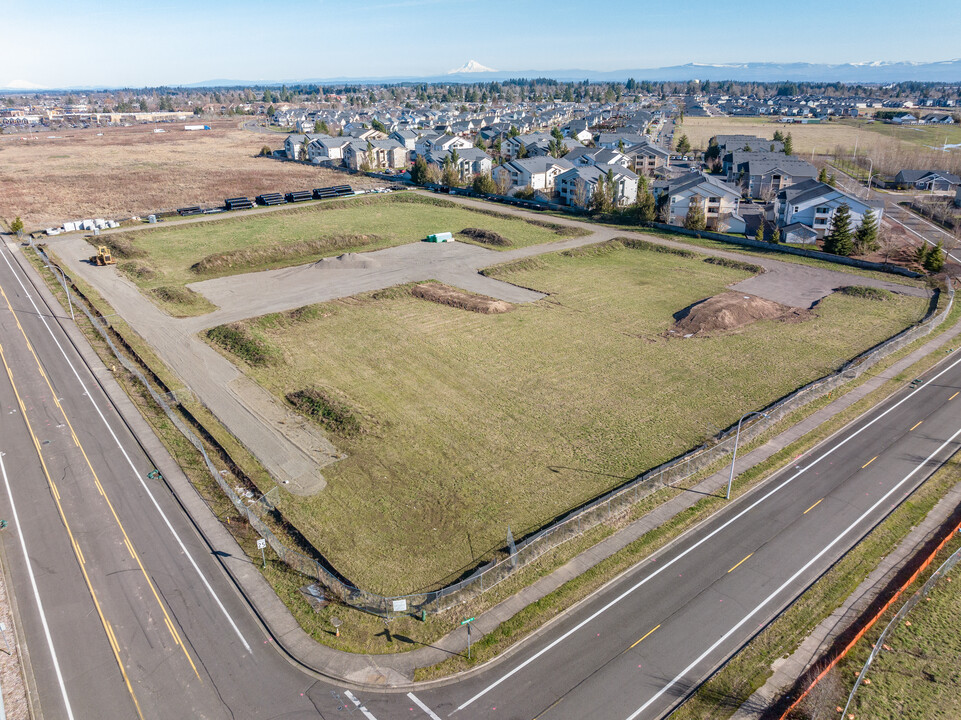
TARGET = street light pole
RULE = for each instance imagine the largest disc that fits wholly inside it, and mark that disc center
(65, 289)
(737, 437)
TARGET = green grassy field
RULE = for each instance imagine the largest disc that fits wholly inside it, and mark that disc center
(162, 261)
(459, 424)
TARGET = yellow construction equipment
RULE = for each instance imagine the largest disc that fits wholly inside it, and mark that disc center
(103, 257)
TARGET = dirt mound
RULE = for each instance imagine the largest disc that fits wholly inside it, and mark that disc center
(349, 261)
(488, 237)
(730, 311)
(447, 295)
(255, 258)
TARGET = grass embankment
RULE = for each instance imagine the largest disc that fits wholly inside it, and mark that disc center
(490, 421)
(916, 674)
(163, 260)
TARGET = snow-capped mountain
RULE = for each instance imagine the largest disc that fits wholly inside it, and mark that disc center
(21, 85)
(471, 66)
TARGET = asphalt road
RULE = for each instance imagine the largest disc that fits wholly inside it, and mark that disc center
(128, 611)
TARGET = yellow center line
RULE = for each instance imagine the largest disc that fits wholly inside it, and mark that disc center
(103, 492)
(76, 547)
(739, 564)
(916, 424)
(869, 462)
(954, 396)
(644, 638)
(812, 507)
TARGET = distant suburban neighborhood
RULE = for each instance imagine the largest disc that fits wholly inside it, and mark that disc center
(583, 147)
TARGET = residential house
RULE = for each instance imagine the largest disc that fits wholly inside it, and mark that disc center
(407, 138)
(937, 119)
(537, 172)
(618, 140)
(376, 154)
(764, 174)
(927, 179)
(445, 143)
(597, 156)
(294, 144)
(326, 150)
(577, 186)
(470, 161)
(813, 204)
(719, 201)
(646, 158)
(729, 143)
(533, 144)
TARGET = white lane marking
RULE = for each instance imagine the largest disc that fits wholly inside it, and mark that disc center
(356, 702)
(36, 592)
(791, 579)
(133, 467)
(418, 703)
(700, 542)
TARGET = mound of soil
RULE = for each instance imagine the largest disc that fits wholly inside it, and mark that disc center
(730, 311)
(349, 261)
(256, 257)
(447, 295)
(488, 237)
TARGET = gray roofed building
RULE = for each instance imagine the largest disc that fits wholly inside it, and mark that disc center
(927, 179)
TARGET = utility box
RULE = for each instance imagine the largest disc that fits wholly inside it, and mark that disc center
(441, 237)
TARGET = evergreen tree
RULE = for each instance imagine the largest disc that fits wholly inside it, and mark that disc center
(645, 208)
(778, 136)
(934, 259)
(920, 255)
(694, 220)
(788, 145)
(759, 235)
(866, 236)
(713, 151)
(485, 184)
(378, 126)
(823, 176)
(683, 145)
(419, 173)
(776, 236)
(838, 241)
(832, 180)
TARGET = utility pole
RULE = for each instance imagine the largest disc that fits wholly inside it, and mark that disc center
(734, 456)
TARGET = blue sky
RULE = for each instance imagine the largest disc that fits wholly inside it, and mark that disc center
(65, 43)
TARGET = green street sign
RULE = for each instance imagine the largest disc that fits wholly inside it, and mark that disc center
(468, 620)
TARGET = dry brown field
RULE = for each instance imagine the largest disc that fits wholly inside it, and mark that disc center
(820, 138)
(129, 171)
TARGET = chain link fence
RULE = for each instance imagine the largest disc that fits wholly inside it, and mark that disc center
(898, 617)
(514, 555)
